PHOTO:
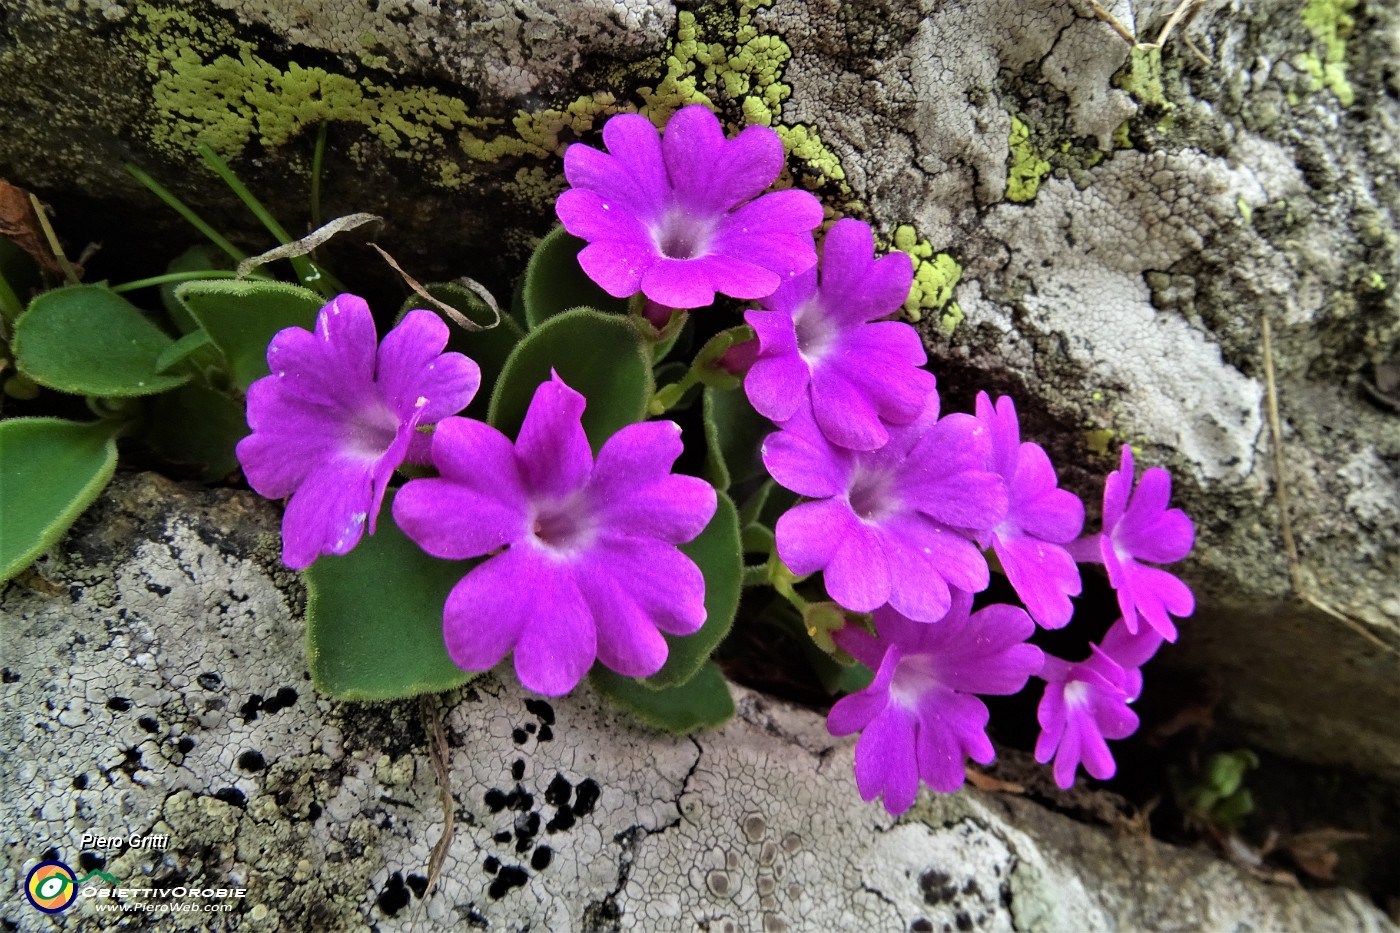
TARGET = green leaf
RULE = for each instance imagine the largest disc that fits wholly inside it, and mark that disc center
(599, 355)
(50, 471)
(197, 427)
(243, 317)
(733, 433)
(195, 259)
(489, 348)
(374, 619)
(88, 340)
(703, 702)
(554, 281)
(182, 349)
(716, 552)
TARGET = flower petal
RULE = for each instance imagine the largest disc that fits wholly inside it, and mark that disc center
(677, 283)
(808, 534)
(488, 608)
(455, 522)
(552, 451)
(558, 641)
(886, 760)
(711, 173)
(858, 575)
(328, 512)
(628, 641)
(808, 466)
(664, 583)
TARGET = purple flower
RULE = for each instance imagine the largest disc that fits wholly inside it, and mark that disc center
(920, 718)
(1138, 526)
(583, 559)
(886, 524)
(1040, 517)
(1084, 704)
(680, 218)
(337, 416)
(818, 346)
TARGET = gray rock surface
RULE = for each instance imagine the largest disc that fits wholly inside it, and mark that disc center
(1120, 224)
(155, 682)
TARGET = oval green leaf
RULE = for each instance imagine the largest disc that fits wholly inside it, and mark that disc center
(554, 281)
(88, 340)
(50, 471)
(243, 317)
(374, 619)
(598, 355)
(703, 702)
(716, 552)
(488, 348)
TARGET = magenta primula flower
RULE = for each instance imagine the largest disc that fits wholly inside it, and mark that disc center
(680, 218)
(1086, 703)
(1040, 519)
(819, 347)
(1138, 526)
(920, 717)
(337, 416)
(583, 559)
(888, 525)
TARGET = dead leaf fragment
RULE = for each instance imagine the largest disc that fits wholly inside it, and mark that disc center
(20, 225)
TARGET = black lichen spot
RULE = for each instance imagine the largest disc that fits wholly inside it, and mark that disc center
(511, 876)
(394, 897)
(131, 761)
(963, 920)
(9, 676)
(185, 745)
(502, 837)
(280, 700)
(313, 811)
(80, 782)
(518, 799)
(249, 710)
(419, 884)
(541, 710)
(921, 925)
(252, 761)
(531, 728)
(495, 799)
(148, 723)
(542, 857)
(937, 887)
(517, 770)
(475, 919)
(158, 589)
(519, 736)
(558, 792)
(87, 861)
(209, 680)
(119, 704)
(587, 797)
(491, 865)
(563, 820)
(51, 855)
(546, 734)
(233, 796)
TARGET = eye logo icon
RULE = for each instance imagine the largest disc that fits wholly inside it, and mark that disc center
(51, 887)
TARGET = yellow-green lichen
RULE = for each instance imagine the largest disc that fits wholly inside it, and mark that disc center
(1141, 78)
(935, 277)
(1122, 136)
(212, 86)
(1331, 23)
(1376, 281)
(1245, 209)
(1028, 169)
(1099, 439)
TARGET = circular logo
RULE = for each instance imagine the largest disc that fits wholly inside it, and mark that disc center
(51, 887)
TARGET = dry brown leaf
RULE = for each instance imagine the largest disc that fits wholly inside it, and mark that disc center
(1314, 852)
(20, 225)
(992, 785)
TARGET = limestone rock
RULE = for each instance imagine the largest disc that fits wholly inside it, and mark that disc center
(155, 683)
(1100, 231)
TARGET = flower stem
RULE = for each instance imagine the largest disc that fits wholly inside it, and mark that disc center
(170, 277)
(193, 219)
